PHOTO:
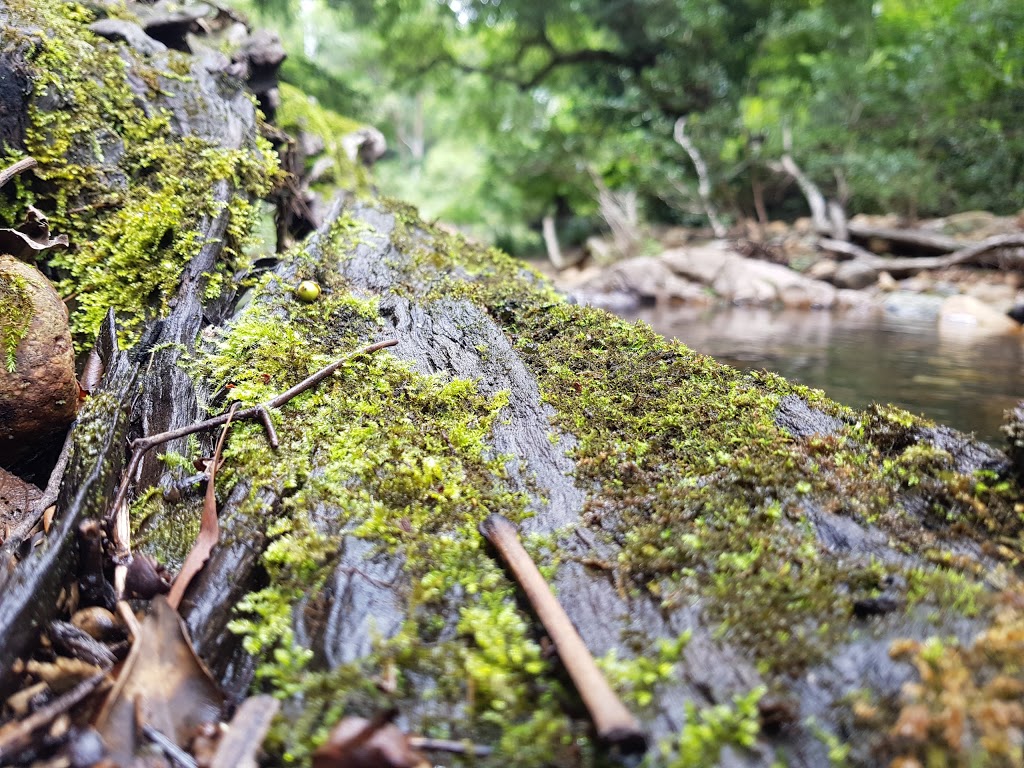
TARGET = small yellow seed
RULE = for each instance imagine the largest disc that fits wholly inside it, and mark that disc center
(307, 291)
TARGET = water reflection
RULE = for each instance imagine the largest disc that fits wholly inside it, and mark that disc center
(967, 381)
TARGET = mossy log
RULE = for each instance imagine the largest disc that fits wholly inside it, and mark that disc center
(765, 576)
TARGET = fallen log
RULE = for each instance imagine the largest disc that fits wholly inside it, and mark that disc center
(761, 573)
(1006, 251)
(913, 239)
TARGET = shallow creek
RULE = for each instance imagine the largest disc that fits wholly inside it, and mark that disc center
(961, 379)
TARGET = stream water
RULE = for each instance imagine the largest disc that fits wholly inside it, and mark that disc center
(966, 381)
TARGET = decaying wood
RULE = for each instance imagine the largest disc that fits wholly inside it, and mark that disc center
(239, 746)
(615, 725)
(999, 248)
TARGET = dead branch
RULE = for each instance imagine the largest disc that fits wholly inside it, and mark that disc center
(117, 519)
(615, 725)
(912, 238)
(703, 177)
(895, 266)
(13, 170)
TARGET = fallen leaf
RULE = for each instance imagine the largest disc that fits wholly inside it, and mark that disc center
(32, 236)
(209, 527)
(356, 742)
(165, 679)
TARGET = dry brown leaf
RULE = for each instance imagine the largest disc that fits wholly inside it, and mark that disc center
(164, 678)
(32, 236)
(209, 528)
(356, 742)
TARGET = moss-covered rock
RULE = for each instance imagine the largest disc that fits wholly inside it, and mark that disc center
(38, 388)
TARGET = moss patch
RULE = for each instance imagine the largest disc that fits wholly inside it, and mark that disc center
(131, 195)
(17, 304)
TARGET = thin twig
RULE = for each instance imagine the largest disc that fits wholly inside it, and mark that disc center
(614, 724)
(268, 426)
(174, 753)
(449, 745)
(18, 736)
(11, 171)
(118, 518)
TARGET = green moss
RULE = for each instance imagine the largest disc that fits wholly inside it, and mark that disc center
(708, 731)
(17, 304)
(300, 113)
(131, 195)
(402, 460)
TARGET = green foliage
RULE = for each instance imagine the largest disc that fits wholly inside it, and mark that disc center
(500, 113)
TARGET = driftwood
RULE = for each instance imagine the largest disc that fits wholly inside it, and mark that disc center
(1003, 250)
(763, 574)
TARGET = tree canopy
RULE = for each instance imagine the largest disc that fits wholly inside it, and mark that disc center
(500, 111)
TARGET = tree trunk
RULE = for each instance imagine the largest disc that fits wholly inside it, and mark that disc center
(760, 570)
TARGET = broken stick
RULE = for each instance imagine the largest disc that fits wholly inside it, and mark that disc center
(117, 518)
(615, 725)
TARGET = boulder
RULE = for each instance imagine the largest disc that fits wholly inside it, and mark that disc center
(960, 314)
(748, 281)
(636, 281)
(38, 388)
(855, 275)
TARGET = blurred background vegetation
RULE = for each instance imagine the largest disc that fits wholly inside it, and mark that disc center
(501, 112)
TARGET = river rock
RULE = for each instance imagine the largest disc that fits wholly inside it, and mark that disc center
(748, 281)
(968, 314)
(636, 281)
(855, 274)
(38, 388)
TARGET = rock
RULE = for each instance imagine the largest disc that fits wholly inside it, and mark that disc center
(367, 145)
(1017, 313)
(912, 306)
(997, 295)
(968, 314)
(854, 274)
(822, 270)
(38, 388)
(886, 282)
(16, 499)
(748, 281)
(642, 279)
